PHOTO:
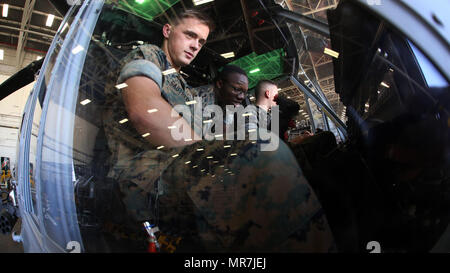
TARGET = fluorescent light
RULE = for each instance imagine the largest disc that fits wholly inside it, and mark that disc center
(2, 52)
(86, 101)
(159, 147)
(331, 52)
(122, 85)
(123, 121)
(227, 55)
(254, 70)
(200, 2)
(252, 130)
(38, 58)
(169, 71)
(176, 155)
(227, 146)
(209, 157)
(219, 135)
(188, 139)
(247, 114)
(191, 102)
(307, 81)
(172, 127)
(193, 167)
(152, 111)
(367, 105)
(385, 84)
(146, 135)
(140, 1)
(200, 149)
(233, 154)
(50, 19)
(187, 162)
(5, 10)
(208, 121)
(77, 49)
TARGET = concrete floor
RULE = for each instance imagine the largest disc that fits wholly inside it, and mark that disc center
(7, 245)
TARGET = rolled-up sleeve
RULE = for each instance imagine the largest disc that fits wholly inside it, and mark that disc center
(141, 68)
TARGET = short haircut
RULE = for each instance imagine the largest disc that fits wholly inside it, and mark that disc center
(229, 69)
(192, 13)
(261, 85)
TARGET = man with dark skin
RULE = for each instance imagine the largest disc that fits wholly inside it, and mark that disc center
(231, 86)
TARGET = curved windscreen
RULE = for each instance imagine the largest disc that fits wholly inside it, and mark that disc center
(354, 149)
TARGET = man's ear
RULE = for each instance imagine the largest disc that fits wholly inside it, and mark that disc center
(167, 28)
(267, 94)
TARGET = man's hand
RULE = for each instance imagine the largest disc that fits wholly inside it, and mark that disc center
(143, 94)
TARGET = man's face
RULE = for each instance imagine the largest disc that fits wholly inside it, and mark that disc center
(185, 40)
(232, 90)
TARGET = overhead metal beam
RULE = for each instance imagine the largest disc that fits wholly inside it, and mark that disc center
(36, 12)
(38, 28)
(29, 39)
(24, 26)
(316, 99)
(305, 21)
(27, 31)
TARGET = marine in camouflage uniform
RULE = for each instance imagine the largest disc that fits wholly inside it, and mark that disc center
(216, 195)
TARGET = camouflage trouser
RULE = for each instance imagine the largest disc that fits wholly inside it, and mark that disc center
(231, 196)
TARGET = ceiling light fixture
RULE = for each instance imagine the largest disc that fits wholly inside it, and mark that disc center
(50, 19)
(200, 2)
(86, 101)
(5, 10)
(169, 71)
(228, 55)
(122, 85)
(331, 52)
(77, 49)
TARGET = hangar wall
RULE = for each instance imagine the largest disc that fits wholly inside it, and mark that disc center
(11, 107)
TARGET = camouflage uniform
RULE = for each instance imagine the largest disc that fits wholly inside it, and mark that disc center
(215, 195)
